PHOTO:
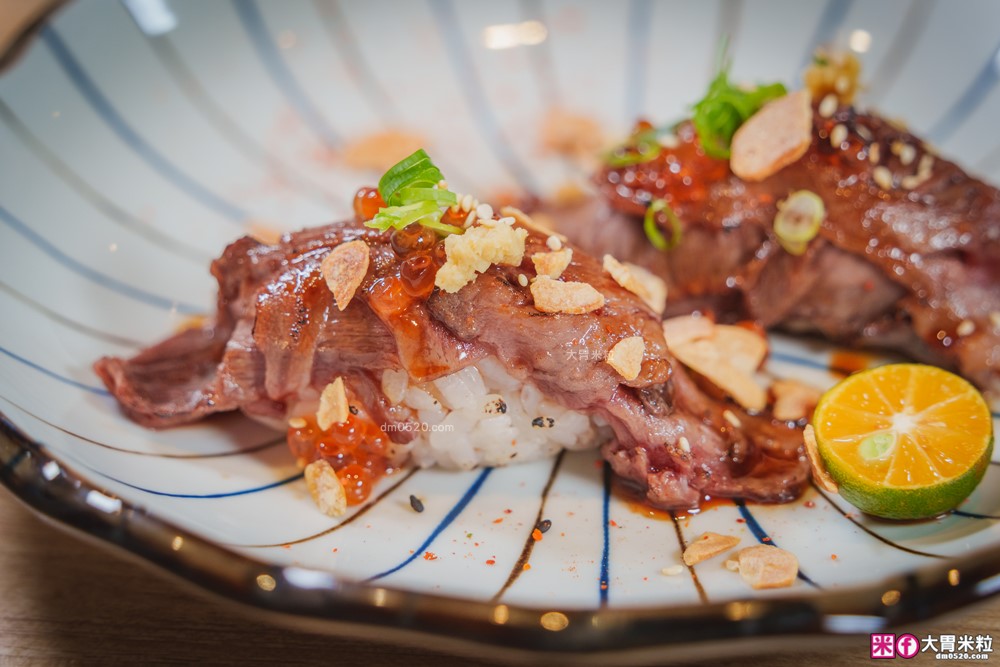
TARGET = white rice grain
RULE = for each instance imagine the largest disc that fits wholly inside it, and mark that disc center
(482, 416)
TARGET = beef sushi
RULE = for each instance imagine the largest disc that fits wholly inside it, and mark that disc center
(821, 219)
(382, 344)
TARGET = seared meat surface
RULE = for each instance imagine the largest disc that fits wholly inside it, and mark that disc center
(278, 337)
(907, 257)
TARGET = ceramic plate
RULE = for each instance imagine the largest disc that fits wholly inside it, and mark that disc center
(138, 138)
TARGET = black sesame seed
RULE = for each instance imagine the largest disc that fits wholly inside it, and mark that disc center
(416, 504)
(537, 422)
(501, 406)
(551, 421)
(544, 525)
(353, 409)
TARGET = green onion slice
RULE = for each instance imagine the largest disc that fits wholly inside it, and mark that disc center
(798, 220)
(398, 217)
(409, 195)
(627, 155)
(639, 148)
(410, 190)
(653, 231)
(442, 228)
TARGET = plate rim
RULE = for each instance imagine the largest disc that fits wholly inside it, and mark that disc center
(464, 626)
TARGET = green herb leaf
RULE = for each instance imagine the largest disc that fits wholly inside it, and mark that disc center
(725, 107)
(653, 231)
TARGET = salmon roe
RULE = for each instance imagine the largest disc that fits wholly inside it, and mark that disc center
(367, 202)
(412, 238)
(389, 297)
(680, 174)
(417, 273)
(356, 449)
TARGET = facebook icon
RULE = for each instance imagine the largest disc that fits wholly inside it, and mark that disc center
(907, 646)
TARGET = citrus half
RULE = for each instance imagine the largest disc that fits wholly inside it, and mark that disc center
(904, 441)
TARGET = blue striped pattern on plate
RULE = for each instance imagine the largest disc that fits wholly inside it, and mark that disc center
(127, 160)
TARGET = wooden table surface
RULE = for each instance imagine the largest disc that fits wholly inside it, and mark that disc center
(66, 601)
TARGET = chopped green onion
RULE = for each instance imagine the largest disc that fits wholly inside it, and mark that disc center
(624, 155)
(410, 195)
(653, 231)
(410, 190)
(798, 220)
(725, 107)
(642, 146)
(441, 227)
(398, 217)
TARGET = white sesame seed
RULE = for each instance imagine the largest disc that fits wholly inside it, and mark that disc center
(673, 570)
(863, 132)
(506, 220)
(297, 422)
(733, 565)
(484, 211)
(443, 184)
(731, 418)
(553, 242)
(995, 319)
(965, 328)
(896, 147)
(685, 444)
(522, 280)
(882, 177)
(912, 181)
(467, 203)
(469, 219)
(874, 153)
(670, 141)
(828, 106)
(907, 154)
(838, 135)
(926, 165)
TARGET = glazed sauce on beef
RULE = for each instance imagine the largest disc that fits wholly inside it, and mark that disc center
(399, 295)
(635, 500)
(356, 448)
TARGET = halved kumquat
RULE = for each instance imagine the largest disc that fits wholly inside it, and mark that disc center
(904, 441)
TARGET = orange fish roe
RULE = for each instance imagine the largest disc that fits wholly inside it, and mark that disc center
(417, 273)
(389, 296)
(536, 535)
(367, 202)
(428, 555)
(491, 562)
(356, 449)
(527, 566)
